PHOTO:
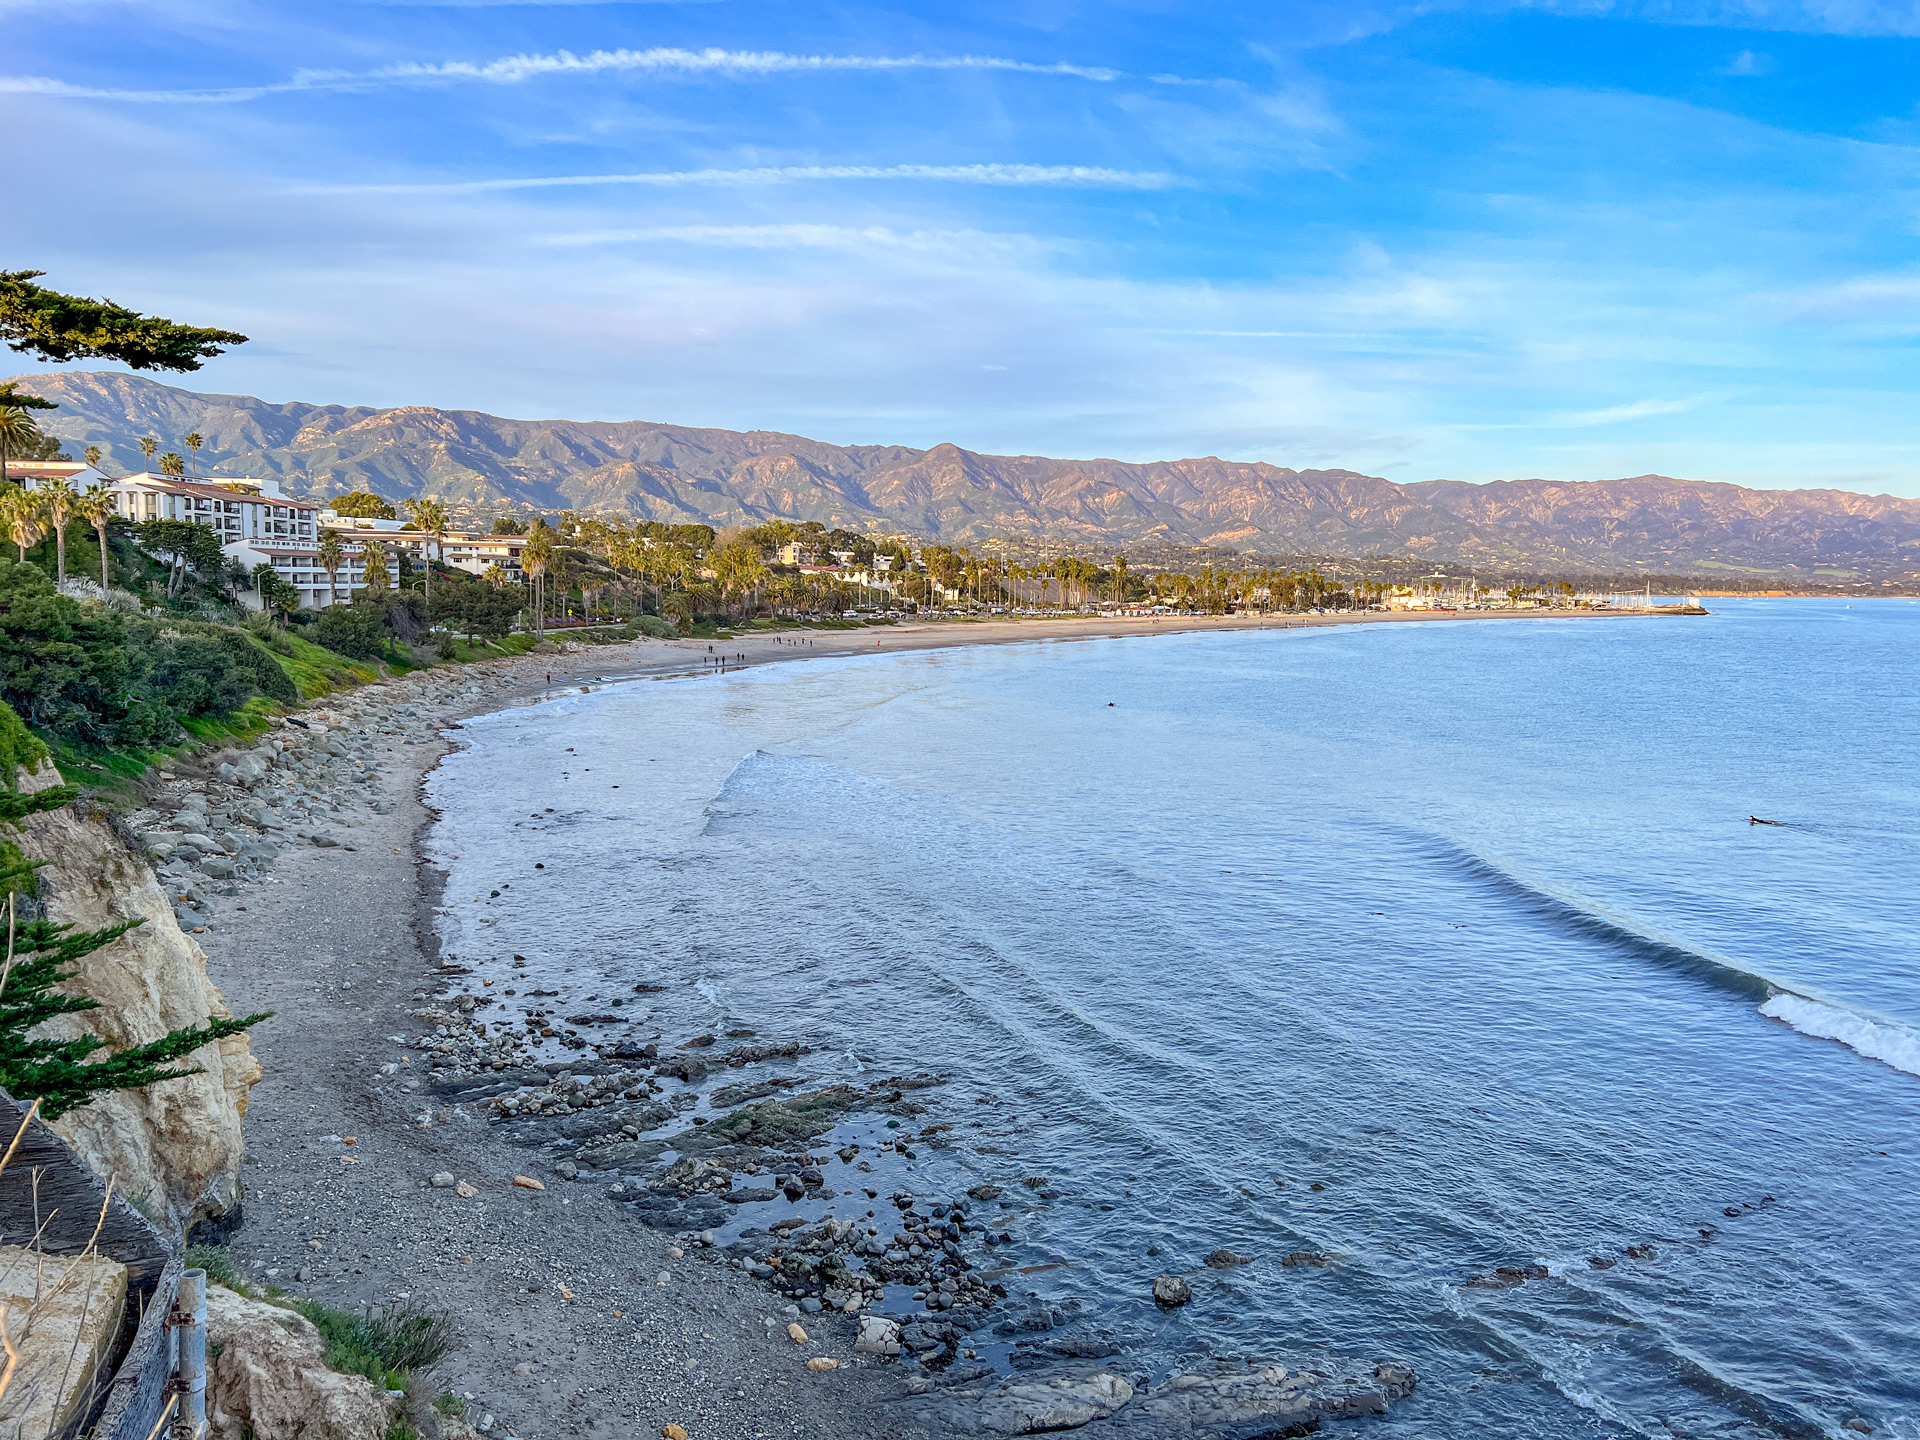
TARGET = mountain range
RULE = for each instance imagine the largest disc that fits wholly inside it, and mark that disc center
(644, 470)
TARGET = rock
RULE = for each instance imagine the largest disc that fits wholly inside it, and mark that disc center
(672, 1432)
(1857, 1425)
(465, 1191)
(66, 1315)
(822, 1362)
(878, 1336)
(444, 1180)
(1027, 1407)
(810, 1306)
(795, 1333)
(267, 1377)
(1224, 1259)
(176, 1146)
(527, 1182)
(1171, 1291)
(1318, 1259)
(1234, 1399)
(984, 1192)
(567, 1170)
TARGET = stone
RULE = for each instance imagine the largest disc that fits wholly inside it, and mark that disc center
(672, 1432)
(1171, 1291)
(810, 1306)
(219, 867)
(1029, 1407)
(823, 1362)
(1857, 1425)
(1317, 1259)
(176, 1146)
(796, 1334)
(443, 1180)
(567, 1170)
(63, 1316)
(527, 1182)
(465, 1191)
(1234, 1399)
(1224, 1259)
(267, 1377)
(878, 1336)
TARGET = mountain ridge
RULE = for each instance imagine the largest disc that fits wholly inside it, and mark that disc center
(655, 471)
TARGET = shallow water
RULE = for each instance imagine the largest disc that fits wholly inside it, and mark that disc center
(1465, 924)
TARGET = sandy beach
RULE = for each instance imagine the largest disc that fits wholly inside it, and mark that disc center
(574, 1318)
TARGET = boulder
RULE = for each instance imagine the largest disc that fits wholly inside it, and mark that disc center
(1171, 1291)
(176, 1145)
(878, 1336)
(1236, 1399)
(267, 1378)
(1028, 1407)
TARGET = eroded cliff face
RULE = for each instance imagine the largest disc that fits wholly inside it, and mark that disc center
(175, 1147)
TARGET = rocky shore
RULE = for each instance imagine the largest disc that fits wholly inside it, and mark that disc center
(631, 1234)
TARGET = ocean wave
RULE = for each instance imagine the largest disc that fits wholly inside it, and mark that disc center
(1613, 931)
(1889, 1043)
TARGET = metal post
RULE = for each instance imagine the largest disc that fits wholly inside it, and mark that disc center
(189, 1325)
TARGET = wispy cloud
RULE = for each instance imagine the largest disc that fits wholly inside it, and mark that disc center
(807, 237)
(514, 69)
(1633, 410)
(518, 69)
(1076, 176)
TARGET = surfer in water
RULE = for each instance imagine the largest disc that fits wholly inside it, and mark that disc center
(1756, 820)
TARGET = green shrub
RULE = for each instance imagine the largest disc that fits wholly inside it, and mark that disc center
(385, 1344)
(219, 1264)
(657, 626)
(358, 631)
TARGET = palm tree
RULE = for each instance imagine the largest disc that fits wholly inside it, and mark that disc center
(172, 464)
(534, 559)
(93, 453)
(149, 444)
(17, 432)
(373, 567)
(332, 556)
(429, 516)
(58, 500)
(20, 518)
(96, 508)
(193, 440)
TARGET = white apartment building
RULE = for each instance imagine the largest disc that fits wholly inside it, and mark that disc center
(256, 523)
(32, 474)
(459, 549)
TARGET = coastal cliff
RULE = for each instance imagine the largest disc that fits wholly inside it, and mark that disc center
(175, 1147)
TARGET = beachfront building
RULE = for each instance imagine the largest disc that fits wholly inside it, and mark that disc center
(458, 549)
(32, 474)
(257, 523)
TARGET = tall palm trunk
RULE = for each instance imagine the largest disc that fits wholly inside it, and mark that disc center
(102, 531)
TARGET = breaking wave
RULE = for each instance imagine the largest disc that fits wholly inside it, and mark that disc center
(1890, 1043)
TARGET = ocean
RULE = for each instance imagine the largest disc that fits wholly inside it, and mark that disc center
(1438, 968)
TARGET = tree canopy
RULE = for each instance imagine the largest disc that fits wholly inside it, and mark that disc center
(363, 505)
(52, 326)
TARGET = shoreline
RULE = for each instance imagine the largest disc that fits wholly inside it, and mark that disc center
(553, 1289)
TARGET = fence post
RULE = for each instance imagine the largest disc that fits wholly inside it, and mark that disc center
(189, 1324)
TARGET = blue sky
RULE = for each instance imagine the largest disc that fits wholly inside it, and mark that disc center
(1466, 240)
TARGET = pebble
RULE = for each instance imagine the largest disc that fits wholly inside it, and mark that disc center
(823, 1362)
(1224, 1259)
(527, 1182)
(444, 1180)
(465, 1191)
(796, 1334)
(673, 1432)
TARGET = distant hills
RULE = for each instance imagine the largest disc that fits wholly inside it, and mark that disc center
(674, 473)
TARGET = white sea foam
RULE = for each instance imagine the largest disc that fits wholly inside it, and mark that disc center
(1889, 1043)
